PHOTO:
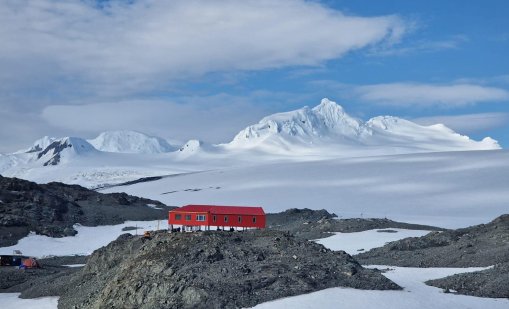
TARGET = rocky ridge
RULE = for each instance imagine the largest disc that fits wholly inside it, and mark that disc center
(476, 246)
(52, 209)
(212, 269)
(315, 224)
(492, 282)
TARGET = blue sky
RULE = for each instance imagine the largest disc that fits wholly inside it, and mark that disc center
(206, 69)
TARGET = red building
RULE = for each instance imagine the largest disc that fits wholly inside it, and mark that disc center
(217, 216)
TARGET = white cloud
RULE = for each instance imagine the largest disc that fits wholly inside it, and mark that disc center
(212, 118)
(420, 46)
(128, 47)
(413, 94)
(469, 123)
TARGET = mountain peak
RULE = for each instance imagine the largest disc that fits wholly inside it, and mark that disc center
(39, 145)
(328, 125)
(63, 148)
(126, 141)
(326, 103)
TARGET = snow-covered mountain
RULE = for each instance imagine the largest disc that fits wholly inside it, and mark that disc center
(130, 142)
(191, 147)
(328, 126)
(325, 131)
(40, 144)
(64, 150)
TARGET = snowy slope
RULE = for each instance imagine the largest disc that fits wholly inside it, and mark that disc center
(191, 147)
(85, 242)
(453, 189)
(323, 132)
(40, 144)
(328, 129)
(64, 150)
(130, 142)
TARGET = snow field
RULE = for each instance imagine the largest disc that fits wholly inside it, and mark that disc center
(12, 301)
(451, 190)
(352, 243)
(415, 295)
(85, 242)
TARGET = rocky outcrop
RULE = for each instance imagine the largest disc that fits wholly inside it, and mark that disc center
(52, 209)
(212, 270)
(493, 282)
(479, 245)
(315, 224)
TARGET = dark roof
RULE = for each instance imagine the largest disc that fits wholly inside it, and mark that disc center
(223, 210)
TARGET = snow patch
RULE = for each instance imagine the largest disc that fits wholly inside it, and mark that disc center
(12, 300)
(416, 294)
(354, 243)
(85, 242)
(153, 206)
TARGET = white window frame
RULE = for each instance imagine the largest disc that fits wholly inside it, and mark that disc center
(201, 218)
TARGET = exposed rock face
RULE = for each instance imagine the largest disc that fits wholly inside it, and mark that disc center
(212, 270)
(52, 209)
(479, 245)
(314, 224)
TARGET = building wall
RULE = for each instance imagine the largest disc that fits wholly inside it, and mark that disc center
(233, 220)
(220, 220)
(193, 221)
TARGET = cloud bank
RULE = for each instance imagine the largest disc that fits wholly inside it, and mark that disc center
(212, 118)
(80, 47)
(468, 123)
(414, 94)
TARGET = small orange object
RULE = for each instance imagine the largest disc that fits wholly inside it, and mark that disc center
(30, 263)
(146, 234)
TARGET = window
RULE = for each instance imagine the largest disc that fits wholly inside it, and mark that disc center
(188, 217)
(225, 218)
(200, 217)
(214, 218)
(239, 218)
(178, 217)
(254, 219)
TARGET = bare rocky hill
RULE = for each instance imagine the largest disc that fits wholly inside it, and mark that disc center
(493, 282)
(480, 245)
(211, 269)
(52, 209)
(315, 224)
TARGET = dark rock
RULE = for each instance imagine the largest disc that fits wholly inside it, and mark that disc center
(211, 270)
(52, 209)
(479, 245)
(493, 282)
(315, 224)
